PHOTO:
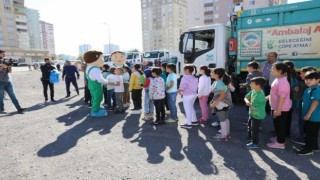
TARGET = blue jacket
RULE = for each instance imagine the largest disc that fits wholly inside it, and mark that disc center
(70, 72)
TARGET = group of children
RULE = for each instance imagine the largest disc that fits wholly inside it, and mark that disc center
(288, 92)
(284, 98)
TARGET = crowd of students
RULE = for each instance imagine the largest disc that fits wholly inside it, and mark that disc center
(288, 93)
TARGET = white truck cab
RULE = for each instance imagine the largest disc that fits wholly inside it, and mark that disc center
(205, 45)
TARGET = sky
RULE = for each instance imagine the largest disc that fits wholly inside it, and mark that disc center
(79, 22)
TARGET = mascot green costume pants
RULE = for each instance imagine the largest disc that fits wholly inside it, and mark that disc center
(96, 91)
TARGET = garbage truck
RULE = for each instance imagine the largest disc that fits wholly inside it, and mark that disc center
(292, 31)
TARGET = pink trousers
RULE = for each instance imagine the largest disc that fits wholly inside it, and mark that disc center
(204, 107)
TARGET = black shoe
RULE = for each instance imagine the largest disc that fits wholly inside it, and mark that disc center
(158, 122)
(67, 96)
(78, 93)
(46, 99)
(52, 100)
(21, 110)
(110, 109)
(185, 126)
(305, 152)
(194, 123)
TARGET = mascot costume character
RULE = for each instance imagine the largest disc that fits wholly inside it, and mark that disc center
(94, 60)
(118, 59)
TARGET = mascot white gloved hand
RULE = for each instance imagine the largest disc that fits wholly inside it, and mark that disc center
(94, 60)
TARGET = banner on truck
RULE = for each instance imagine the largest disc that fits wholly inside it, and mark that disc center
(292, 42)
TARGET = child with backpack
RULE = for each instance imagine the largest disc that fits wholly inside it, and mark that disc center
(221, 101)
(148, 103)
(137, 79)
(311, 113)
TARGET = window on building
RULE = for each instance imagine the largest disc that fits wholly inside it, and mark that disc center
(209, 17)
(210, 8)
(7, 8)
(6, 1)
(10, 22)
(230, 6)
(208, 1)
(1, 42)
(18, 3)
(10, 29)
(251, 3)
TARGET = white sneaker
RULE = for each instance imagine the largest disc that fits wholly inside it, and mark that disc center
(219, 131)
(136, 112)
(170, 120)
(215, 124)
(221, 105)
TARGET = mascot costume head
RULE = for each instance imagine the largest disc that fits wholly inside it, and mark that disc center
(94, 61)
(118, 59)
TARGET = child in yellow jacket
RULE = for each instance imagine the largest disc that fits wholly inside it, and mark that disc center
(136, 89)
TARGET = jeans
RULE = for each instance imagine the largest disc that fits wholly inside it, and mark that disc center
(111, 95)
(160, 111)
(172, 98)
(72, 80)
(148, 103)
(45, 84)
(119, 97)
(7, 87)
(188, 105)
(253, 129)
(204, 107)
(280, 126)
(137, 98)
(166, 102)
(87, 95)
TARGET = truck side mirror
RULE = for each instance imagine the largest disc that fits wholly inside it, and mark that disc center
(181, 43)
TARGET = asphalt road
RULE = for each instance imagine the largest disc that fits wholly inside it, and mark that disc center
(60, 141)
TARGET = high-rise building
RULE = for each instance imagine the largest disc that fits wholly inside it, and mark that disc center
(47, 33)
(109, 48)
(218, 11)
(84, 48)
(254, 4)
(34, 30)
(14, 36)
(162, 23)
(195, 13)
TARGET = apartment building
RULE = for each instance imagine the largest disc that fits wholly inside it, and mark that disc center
(84, 48)
(254, 4)
(109, 48)
(14, 36)
(34, 30)
(195, 13)
(218, 11)
(47, 34)
(162, 23)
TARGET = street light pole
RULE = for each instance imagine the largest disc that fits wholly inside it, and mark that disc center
(108, 37)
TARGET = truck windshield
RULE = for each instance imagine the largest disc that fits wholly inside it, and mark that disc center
(200, 41)
(129, 56)
(151, 55)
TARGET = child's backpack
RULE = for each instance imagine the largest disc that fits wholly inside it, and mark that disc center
(142, 79)
(54, 77)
